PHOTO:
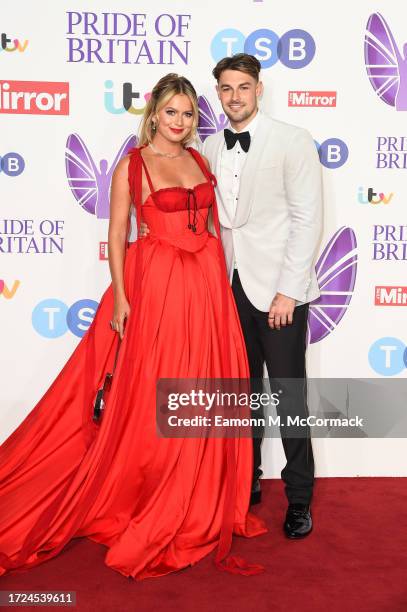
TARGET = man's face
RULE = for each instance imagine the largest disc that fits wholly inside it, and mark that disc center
(238, 93)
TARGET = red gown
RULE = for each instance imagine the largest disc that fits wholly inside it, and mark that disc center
(158, 504)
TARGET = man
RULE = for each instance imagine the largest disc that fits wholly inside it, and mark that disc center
(270, 209)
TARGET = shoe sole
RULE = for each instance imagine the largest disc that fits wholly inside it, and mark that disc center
(298, 537)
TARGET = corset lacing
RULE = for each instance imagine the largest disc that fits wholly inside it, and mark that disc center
(192, 226)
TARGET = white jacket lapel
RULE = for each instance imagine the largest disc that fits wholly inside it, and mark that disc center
(248, 176)
(213, 150)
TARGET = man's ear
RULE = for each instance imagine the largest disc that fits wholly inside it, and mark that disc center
(259, 89)
(217, 90)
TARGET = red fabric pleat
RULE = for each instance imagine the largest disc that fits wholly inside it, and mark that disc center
(224, 561)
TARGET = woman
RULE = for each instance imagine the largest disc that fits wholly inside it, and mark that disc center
(158, 504)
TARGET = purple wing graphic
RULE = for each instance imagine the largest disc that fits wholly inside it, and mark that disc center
(208, 122)
(81, 172)
(89, 185)
(386, 68)
(336, 273)
(103, 203)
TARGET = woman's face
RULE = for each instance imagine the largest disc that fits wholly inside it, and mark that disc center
(175, 119)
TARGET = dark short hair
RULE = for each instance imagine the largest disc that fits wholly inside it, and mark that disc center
(240, 61)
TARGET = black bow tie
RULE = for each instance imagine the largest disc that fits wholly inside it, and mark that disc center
(232, 137)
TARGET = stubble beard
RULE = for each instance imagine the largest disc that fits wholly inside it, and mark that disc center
(240, 117)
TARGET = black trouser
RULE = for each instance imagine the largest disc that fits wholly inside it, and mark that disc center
(283, 352)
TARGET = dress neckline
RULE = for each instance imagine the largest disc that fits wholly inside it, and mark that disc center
(172, 187)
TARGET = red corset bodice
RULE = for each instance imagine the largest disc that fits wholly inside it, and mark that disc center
(179, 215)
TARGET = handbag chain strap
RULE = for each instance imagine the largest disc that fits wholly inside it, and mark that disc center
(117, 353)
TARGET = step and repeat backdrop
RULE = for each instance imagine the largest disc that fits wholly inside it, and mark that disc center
(74, 80)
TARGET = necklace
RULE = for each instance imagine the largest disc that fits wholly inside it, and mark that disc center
(169, 155)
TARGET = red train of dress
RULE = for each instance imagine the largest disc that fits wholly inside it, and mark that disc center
(158, 504)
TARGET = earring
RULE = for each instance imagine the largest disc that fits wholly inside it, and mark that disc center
(153, 126)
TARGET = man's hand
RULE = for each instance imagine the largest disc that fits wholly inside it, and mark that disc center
(143, 231)
(281, 311)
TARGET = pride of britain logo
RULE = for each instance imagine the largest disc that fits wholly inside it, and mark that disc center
(336, 273)
(386, 66)
(89, 184)
(294, 49)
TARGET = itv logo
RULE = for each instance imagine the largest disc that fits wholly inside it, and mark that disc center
(127, 100)
(371, 197)
(8, 292)
(12, 44)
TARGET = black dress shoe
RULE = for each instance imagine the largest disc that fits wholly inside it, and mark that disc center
(298, 521)
(255, 496)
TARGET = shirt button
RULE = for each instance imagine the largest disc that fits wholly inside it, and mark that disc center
(235, 175)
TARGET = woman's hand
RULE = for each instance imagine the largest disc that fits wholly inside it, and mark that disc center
(120, 313)
(143, 231)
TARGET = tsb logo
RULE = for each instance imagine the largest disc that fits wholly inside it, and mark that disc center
(388, 356)
(12, 164)
(333, 153)
(52, 318)
(294, 49)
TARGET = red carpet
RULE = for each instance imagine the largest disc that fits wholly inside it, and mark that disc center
(356, 560)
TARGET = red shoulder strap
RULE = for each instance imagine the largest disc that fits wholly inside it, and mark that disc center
(135, 181)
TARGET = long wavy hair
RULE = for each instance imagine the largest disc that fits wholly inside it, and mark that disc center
(167, 87)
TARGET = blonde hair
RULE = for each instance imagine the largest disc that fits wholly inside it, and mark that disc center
(170, 85)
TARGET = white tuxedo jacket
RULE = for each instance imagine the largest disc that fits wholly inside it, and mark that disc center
(275, 233)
